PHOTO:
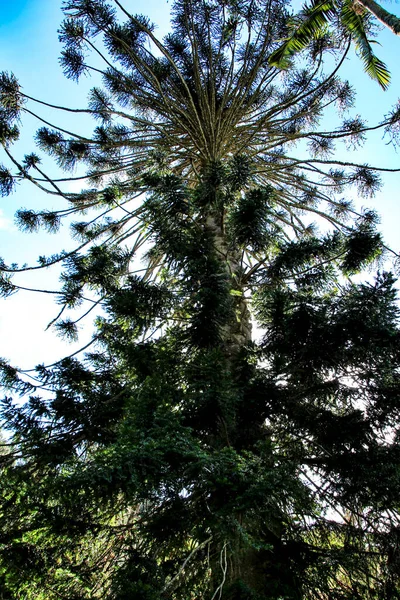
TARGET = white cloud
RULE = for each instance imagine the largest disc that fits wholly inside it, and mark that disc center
(5, 224)
(24, 340)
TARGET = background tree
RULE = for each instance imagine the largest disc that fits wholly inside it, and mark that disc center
(180, 458)
(354, 18)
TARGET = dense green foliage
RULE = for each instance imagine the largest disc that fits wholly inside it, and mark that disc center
(164, 470)
(180, 458)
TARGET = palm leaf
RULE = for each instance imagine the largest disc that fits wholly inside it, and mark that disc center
(354, 23)
(314, 20)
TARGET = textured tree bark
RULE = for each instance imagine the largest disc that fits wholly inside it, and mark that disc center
(240, 572)
(236, 333)
(385, 17)
(234, 565)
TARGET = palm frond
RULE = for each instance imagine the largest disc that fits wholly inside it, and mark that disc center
(314, 20)
(354, 23)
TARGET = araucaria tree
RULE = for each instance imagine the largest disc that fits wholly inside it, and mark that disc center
(180, 457)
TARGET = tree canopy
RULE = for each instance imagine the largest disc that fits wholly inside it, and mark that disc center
(182, 456)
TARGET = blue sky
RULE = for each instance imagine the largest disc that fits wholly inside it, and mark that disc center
(29, 47)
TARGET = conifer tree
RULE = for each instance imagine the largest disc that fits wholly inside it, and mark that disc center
(180, 458)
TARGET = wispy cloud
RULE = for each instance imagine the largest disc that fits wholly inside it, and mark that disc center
(5, 224)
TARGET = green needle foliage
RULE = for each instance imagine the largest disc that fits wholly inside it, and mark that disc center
(180, 458)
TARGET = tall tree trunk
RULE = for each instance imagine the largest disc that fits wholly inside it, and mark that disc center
(237, 567)
(236, 333)
(385, 17)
